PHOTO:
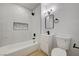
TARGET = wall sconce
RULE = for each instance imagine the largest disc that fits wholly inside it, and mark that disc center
(56, 20)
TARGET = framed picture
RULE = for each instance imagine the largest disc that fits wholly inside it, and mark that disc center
(49, 21)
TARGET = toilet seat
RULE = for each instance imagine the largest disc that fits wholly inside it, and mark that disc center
(58, 52)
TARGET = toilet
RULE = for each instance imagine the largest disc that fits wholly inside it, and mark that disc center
(63, 43)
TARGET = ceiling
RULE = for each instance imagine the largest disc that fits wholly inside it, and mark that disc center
(29, 6)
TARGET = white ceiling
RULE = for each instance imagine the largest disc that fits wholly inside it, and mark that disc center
(29, 6)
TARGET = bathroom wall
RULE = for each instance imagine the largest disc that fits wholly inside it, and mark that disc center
(10, 13)
(35, 21)
(68, 15)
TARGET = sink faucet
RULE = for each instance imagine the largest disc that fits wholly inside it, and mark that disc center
(48, 32)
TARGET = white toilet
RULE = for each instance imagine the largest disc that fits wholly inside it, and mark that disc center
(63, 44)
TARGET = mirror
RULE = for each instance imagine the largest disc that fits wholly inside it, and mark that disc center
(49, 21)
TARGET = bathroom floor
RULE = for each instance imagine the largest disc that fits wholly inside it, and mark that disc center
(37, 53)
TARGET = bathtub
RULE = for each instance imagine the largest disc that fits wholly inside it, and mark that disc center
(19, 49)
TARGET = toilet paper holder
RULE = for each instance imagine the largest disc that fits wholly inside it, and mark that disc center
(74, 46)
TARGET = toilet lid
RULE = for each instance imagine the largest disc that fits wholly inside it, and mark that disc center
(58, 52)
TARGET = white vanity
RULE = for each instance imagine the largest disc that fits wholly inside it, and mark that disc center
(46, 42)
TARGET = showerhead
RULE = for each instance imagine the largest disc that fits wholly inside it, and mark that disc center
(33, 13)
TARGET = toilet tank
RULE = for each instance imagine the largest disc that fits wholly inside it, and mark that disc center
(63, 41)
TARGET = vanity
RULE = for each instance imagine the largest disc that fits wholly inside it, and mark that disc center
(46, 43)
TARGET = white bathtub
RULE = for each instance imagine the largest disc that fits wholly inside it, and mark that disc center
(19, 49)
